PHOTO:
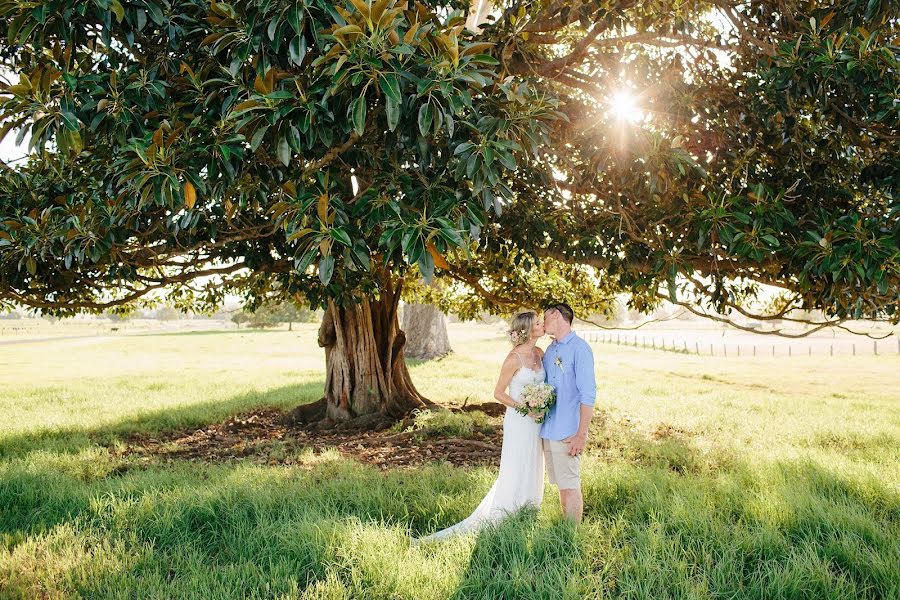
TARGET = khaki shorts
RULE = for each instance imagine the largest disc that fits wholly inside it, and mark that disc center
(564, 470)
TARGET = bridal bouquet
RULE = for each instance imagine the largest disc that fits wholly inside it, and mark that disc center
(538, 398)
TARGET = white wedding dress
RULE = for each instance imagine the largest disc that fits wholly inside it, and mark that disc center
(521, 478)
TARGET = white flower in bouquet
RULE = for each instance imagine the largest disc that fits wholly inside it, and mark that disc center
(536, 398)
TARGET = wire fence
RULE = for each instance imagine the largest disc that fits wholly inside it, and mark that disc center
(704, 346)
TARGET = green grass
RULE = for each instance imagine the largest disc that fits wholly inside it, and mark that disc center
(704, 478)
(443, 423)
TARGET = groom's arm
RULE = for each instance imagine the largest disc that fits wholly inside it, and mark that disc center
(585, 381)
(586, 385)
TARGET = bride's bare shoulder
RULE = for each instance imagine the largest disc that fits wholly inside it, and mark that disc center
(511, 359)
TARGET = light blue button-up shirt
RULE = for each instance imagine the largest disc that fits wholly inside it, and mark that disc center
(569, 367)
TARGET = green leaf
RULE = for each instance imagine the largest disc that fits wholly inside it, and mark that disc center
(409, 240)
(438, 120)
(486, 59)
(256, 140)
(297, 49)
(295, 18)
(418, 248)
(303, 263)
(326, 134)
(471, 165)
(506, 159)
(341, 236)
(426, 266)
(393, 113)
(488, 156)
(284, 151)
(390, 86)
(452, 236)
(326, 269)
(462, 148)
(116, 7)
(295, 140)
(425, 119)
(358, 114)
(156, 14)
(362, 256)
(70, 120)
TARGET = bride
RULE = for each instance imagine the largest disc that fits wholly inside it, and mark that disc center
(521, 478)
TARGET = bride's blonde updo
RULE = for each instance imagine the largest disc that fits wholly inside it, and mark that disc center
(520, 327)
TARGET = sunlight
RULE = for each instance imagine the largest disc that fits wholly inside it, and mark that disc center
(623, 106)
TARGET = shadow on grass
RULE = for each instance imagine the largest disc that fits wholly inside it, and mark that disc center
(659, 523)
(338, 529)
(74, 440)
(522, 557)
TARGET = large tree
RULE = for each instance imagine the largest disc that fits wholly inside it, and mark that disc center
(339, 151)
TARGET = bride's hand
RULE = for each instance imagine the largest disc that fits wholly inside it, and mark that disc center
(535, 415)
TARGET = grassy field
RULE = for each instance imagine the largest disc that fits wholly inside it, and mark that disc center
(704, 477)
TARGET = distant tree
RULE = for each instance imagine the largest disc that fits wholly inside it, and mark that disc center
(221, 315)
(289, 312)
(167, 313)
(116, 316)
(270, 315)
(240, 317)
(425, 327)
(262, 318)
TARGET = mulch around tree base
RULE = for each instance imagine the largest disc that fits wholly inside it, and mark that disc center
(259, 435)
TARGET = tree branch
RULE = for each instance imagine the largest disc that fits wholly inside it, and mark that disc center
(182, 277)
(721, 319)
(331, 155)
(559, 65)
(473, 282)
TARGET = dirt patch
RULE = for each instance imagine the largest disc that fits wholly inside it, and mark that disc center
(665, 431)
(261, 436)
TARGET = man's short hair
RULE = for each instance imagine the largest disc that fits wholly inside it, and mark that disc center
(564, 309)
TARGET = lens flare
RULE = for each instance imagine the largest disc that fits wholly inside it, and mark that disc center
(623, 106)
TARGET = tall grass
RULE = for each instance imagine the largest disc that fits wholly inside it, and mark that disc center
(702, 479)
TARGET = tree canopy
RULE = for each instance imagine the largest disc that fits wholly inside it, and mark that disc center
(316, 148)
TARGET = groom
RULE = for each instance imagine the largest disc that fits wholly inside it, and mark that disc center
(569, 365)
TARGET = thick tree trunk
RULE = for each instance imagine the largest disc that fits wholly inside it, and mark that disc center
(367, 384)
(426, 332)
